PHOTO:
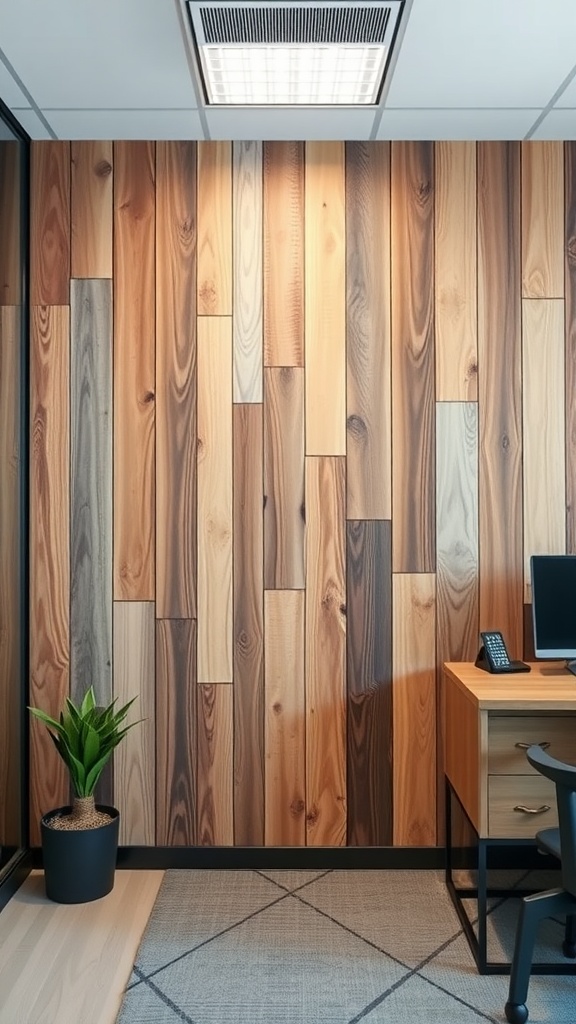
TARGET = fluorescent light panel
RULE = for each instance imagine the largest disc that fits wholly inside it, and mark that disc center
(311, 75)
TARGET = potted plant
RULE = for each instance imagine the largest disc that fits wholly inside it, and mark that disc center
(80, 842)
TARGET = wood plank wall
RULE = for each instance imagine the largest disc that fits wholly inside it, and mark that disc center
(320, 398)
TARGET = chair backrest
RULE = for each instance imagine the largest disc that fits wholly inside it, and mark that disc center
(564, 777)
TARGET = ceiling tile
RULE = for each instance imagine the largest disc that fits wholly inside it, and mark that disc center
(276, 124)
(456, 124)
(568, 97)
(32, 124)
(558, 124)
(125, 124)
(10, 92)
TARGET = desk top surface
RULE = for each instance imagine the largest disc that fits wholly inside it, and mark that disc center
(547, 687)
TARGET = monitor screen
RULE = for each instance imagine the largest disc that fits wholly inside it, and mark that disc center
(554, 605)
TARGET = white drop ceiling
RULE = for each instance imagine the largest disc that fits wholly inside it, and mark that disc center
(122, 69)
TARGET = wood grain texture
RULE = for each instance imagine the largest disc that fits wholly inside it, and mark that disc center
(50, 223)
(49, 549)
(214, 229)
(134, 760)
(456, 272)
(570, 340)
(368, 408)
(413, 486)
(247, 269)
(176, 733)
(215, 514)
(414, 708)
(284, 512)
(176, 556)
(500, 427)
(215, 766)
(325, 299)
(285, 719)
(248, 627)
(542, 220)
(369, 682)
(11, 390)
(544, 452)
(11, 169)
(325, 653)
(91, 490)
(91, 209)
(134, 385)
(283, 169)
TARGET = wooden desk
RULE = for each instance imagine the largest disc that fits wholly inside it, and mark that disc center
(489, 721)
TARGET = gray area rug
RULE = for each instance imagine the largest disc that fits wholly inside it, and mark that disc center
(333, 947)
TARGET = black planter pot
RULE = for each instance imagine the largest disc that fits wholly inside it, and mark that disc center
(79, 865)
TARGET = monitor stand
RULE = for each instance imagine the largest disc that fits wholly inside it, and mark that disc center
(571, 666)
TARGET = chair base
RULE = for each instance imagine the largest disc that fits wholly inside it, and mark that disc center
(516, 1013)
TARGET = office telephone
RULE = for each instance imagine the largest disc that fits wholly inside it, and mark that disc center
(493, 655)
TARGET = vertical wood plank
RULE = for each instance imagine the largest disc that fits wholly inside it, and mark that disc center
(176, 557)
(413, 486)
(500, 427)
(247, 267)
(11, 238)
(91, 490)
(285, 725)
(91, 209)
(49, 550)
(134, 357)
(215, 516)
(542, 220)
(10, 383)
(414, 708)
(214, 229)
(325, 653)
(369, 683)
(135, 758)
(325, 299)
(456, 295)
(368, 412)
(248, 627)
(215, 741)
(50, 223)
(284, 513)
(570, 330)
(176, 733)
(283, 253)
(544, 458)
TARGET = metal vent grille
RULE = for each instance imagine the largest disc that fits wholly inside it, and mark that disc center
(244, 25)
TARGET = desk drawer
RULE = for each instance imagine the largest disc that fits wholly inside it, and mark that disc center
(505, 792)
(505, 758)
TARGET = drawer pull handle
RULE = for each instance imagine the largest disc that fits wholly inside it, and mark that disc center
(525, 746)
(532, 810)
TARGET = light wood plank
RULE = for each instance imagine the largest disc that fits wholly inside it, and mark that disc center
(456, 272)
(49, 550)
(414, 708)
(542, 220)
(176, 567)
(283, 253)
(325, 299)
(176, 732)
(215, 766)
(214, 229)
(369, 431)
(570, 328)
(91, 209)
(544, 453)
(134, 384)
(325, 653)
(284, 512)
(134, 760)
(56, 955)
(284, 736)
(50, 223)
(91, 490)
(215, 516)
(11, 238)
(247, 264)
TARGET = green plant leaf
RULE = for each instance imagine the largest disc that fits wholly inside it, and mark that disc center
(95, 773)
(88, 704)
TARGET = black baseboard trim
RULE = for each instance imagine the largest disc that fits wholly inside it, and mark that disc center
(16, 873)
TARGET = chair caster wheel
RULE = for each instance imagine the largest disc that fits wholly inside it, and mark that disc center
(516, 1013)
(569, 950)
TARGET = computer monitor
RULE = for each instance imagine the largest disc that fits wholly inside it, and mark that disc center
(554, 607)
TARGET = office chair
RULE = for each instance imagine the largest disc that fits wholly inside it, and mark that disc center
(561, 842)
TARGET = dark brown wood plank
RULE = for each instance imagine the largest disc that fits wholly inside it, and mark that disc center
(284, 513)
(570, 321)
(215, 765)
(50, 223)
(11, 235)
(248, 628)
(176, 732)
(283, 253)
(499, 395)
(369, 682)
(413, 482)
(176, 487)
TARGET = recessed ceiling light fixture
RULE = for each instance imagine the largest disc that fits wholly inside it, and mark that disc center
(308, 53)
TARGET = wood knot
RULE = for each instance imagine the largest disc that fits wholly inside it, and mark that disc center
(103, 168)
(505, 442)
(148, 397)
(296, 808)
(303, 512)
(357, 427)
(277, 708)
(313, 815)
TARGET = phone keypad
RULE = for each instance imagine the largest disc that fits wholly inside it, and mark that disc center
(497, 650)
